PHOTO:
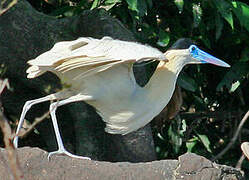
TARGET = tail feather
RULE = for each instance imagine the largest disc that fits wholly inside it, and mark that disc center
(34, 71)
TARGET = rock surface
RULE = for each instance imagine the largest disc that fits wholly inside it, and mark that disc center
(35, 165)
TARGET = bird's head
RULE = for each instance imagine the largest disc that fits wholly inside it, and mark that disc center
(185, 52)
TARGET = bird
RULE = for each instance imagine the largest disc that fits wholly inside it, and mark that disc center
(100, 73)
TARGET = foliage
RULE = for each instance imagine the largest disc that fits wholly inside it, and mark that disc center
(220, 27)
(6, 5)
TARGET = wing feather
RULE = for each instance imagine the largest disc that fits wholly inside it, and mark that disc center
(97, 69)
(82, 62)
(96, 54)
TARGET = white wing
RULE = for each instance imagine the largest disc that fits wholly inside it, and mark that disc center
(97, 55)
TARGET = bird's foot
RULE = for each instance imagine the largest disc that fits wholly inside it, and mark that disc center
(64, 152)
(15, 142)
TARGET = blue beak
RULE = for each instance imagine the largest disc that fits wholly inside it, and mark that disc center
(204, 57)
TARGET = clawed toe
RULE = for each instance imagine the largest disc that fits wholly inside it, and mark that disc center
(66, 153)
(15, 142)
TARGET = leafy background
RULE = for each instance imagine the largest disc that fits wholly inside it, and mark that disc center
(214, 99)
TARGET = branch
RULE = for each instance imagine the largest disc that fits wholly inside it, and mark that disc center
(22, 134)
(2, 9)
(4, 84)
(8, 137)
(208, 114)
(242, 122)
(245, 148)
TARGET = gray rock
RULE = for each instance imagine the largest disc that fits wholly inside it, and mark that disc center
(35, 165)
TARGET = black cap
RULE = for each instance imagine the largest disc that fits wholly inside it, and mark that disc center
(182, 43)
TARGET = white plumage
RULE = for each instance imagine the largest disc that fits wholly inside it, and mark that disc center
(79, 63)
(100, 73)
(104, 53)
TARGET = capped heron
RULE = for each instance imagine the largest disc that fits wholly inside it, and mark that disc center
(100, 72)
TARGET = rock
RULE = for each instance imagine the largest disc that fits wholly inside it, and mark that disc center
(35, 165)
(192, 166)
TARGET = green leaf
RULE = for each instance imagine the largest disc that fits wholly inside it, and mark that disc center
(133, 5)
(245, 55)
(184, 127)
(149, 3)
(112, 1)
(225, 9)
(179, 4)
(219, 26)
(236, 73)
(234, 86)
(206, 41)
(187, 82)
(107, 4)
(241, 10)
(205, 141)
(164, 38)
(142, 8)
(160, 136)
(95, 4)
(175, 139)
(139, 6)
(204, 34)
(190, 144)
(199, 102)
(175, 133)
(65, 11)
(197, 13)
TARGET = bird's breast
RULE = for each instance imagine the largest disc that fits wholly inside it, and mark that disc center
(122, 104)
(132, 107)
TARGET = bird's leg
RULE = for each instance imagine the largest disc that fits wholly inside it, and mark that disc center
(26, 107)
(53, 107)
(28, 104)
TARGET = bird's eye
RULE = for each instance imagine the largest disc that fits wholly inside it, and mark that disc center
(192, 49)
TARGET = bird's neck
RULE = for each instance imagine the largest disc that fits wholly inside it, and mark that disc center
(162, 83)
